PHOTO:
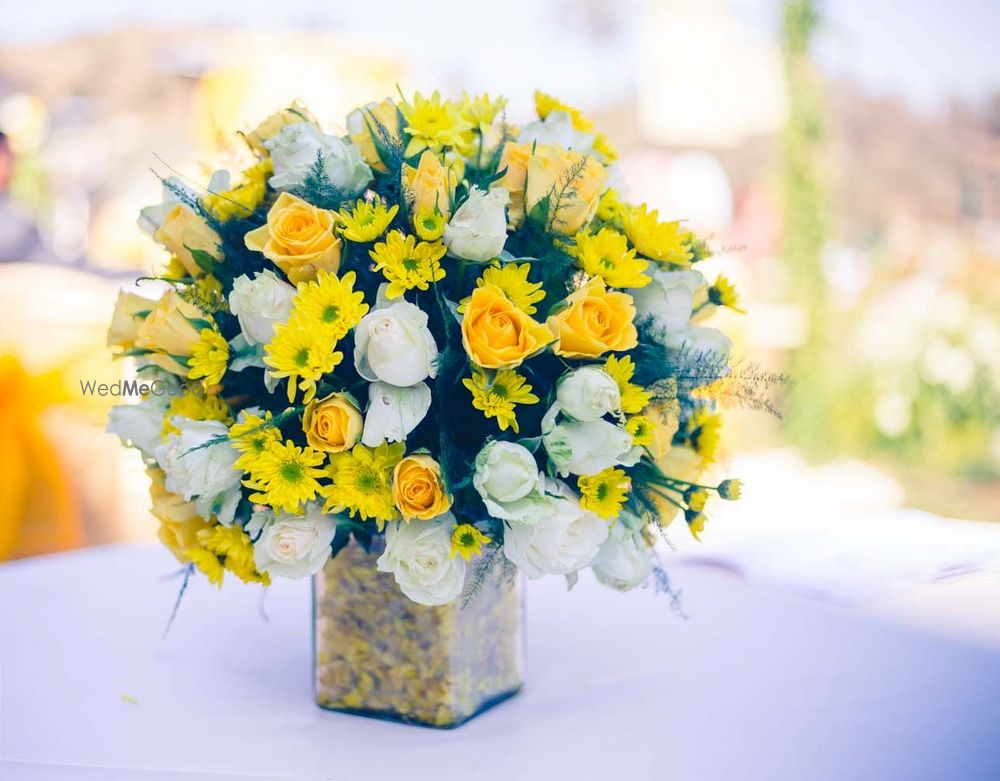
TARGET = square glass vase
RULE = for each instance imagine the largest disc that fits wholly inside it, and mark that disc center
(378, 653)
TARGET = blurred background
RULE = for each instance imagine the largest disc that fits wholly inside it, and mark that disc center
(843, 158)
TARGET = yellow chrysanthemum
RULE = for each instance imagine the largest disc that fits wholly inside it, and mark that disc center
(331, 303)
(432, 123)
(634, 398)
(196, 406)
(703, 432)
(223, 548)
(284, 475)
(302, 354)
(723, 293)
(209, 358)
(609, 207)
(407, 263)
(362, 482)
(429, 225)
(496, 398)
(467, 541)
(605, 492)
(512, 279)
(366, 220)
(243, 199)
(666, 242)
(605, 148)
(546, 104)
(606, 254)
(482, 110)
(251, 437)
(642, 430)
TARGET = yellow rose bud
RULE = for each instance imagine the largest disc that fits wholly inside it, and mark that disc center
(573, 183)
(299, 238)
(666, 421)
(679, 462)
(428, 186)
(332, 424)
(514, 159)
(179, 522)
(183, 231)
(418, 488)
(271, 126)
(169, 332)
(498, 335)
(594, 321)
(130, 311)
(363, 124)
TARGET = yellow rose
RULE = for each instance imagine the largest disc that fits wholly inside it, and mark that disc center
(179, 522)
(498, 335)
(183, 231)
(130, 311)
(594, 321)
(363, 126)
(299, 238)
(169, 332)
(271, 126)
(515, 159)
(572, 181)
(332, 424)
(428, 186)
(418, 488)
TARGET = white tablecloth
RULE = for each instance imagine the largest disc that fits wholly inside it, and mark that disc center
(753, 685)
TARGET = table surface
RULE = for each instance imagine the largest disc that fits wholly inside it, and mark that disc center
(751, 684)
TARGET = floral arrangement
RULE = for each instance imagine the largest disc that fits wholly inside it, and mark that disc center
(437, 328)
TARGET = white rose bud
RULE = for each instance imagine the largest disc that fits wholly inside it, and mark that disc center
(623, 563)
(394, 412)
(419, 557)
(510, 483)
(700, 340)
(478, 230)
(563, 541)
(292, 546)
(667, 301)
(586, 448)
(295, 149)
(394, 345)
(200, 472)
(556, 129)
(140, 425)
(259, 304)
(588, 393)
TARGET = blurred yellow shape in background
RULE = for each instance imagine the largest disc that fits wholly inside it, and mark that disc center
(33, 484)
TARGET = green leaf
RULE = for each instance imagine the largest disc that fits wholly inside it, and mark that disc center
(206, 262)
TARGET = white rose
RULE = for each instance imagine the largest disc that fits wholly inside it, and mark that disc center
(394, 412)
(699, 340)
(586, 448)
(151, 218)
(140, 425)
(588, 393)
(478, 229)
(202, 473)
(510, 483)
(292, 546)
(393, 344)
(419, 556)
(557, 129)
(295, 149)
(259, 303)
(667, 301)
(623, 562)
(561, 542)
